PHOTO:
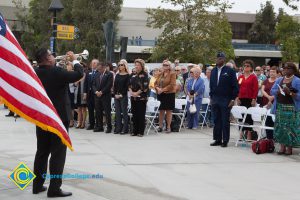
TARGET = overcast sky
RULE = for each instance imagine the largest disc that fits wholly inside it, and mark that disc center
(240, 6)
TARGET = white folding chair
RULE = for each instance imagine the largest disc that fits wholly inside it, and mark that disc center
(113, 107)
(258, 116)
(264, 126)
(203, 113)
(129, 109)
(180, 105)
(151, 114)
(239, 114)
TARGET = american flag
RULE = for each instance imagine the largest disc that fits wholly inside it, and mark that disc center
(21, 89)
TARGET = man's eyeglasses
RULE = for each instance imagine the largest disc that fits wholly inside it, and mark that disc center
(191, 72)
(177, 70)
(257, 70)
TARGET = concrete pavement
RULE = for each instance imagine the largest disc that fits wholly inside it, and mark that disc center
(176, 166)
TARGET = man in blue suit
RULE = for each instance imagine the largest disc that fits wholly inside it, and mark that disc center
(88, 93)
(223, 91)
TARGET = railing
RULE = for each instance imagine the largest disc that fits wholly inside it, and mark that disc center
(137, 42)
(243, 46)
(264, 47)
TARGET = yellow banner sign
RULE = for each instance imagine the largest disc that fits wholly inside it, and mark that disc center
(65, 36)
(65, 28)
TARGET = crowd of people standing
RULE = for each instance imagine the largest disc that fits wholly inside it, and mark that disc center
(225, 85)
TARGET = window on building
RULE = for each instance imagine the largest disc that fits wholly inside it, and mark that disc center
(240, 30)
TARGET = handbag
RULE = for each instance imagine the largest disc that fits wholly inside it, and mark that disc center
(263, 145)
(193, 108)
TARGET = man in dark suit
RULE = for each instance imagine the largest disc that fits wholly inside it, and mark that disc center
(88, 93)
(223, 91)
(102, 89)
(56, 83)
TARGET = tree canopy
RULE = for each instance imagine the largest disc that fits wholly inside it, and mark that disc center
(191, 33)
(288, 35)
(263, 29)
(87, 16)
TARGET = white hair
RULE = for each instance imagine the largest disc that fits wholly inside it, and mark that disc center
(210, 68)
(229, 64)
(197, 69)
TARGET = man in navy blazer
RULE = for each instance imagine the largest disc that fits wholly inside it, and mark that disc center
(102, 89)
(88, 92)
(223, 91)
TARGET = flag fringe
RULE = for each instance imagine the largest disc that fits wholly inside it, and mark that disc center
(39, 124)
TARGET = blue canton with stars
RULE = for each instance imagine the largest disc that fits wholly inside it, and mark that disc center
(2, 26)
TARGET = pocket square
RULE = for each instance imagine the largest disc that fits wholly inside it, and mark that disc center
(225, 74)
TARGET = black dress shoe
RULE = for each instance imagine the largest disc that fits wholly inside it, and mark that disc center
(10, 115)
(224, 144)
(124, 132)
(36, 191)
(216, 143)
(98, 130)
(59, 193)
(90, 128)
(108, 131)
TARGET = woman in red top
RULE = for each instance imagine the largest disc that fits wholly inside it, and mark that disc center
(248, 92)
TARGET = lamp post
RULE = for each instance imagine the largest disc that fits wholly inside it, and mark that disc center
(54, 7)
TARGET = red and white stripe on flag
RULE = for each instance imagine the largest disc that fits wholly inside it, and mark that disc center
(21, 89)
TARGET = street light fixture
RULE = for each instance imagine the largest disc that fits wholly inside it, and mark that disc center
(54, 7)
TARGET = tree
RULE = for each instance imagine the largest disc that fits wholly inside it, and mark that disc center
(87, 16)
(89, 22)
(263, 29)
(288, 34)
(192, 33)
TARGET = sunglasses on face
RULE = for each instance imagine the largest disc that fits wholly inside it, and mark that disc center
(120, 65)
(177, 70)
(191, 72)
(166, 65)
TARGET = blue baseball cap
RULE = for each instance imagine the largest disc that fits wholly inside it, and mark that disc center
(221, 55)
